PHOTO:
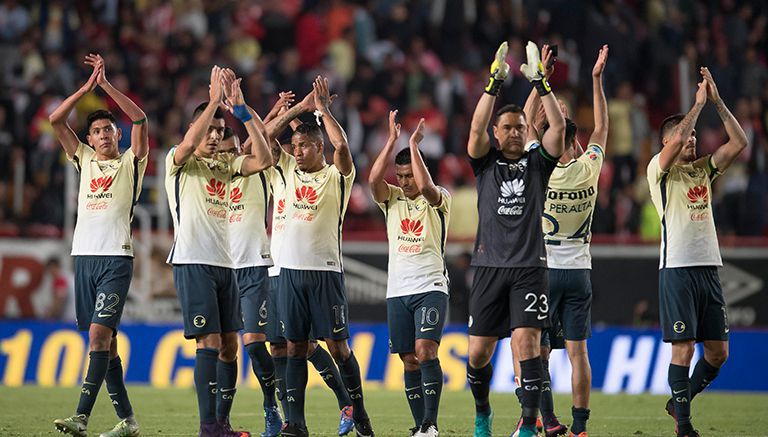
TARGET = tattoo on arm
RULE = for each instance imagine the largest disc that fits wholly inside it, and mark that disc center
(722, 111)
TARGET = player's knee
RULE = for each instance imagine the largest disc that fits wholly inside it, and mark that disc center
(479, 357)
(577, 350)
(410, 363)
(682, 353)
(298, 350)
(228, 349)
(278, 350)
(545, 351)
(426, 350)
(99, 339)
(339, 350)
(250, 337)
(716, 358)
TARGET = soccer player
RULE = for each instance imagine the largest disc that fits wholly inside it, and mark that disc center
(311, 282)
(319, 357)
(416, 212)
(691, 302)
(198, 186)
(110, 184)
(567, 223)
(510, 290)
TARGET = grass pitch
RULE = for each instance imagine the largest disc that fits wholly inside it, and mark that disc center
(30, 410)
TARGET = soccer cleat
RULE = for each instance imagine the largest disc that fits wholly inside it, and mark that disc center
(581, 434)
(527, 431)
(273, 423)
(76, 425)
(363, 428)
(123, 429)
(225, 430)
(483, 424)
(209, 430)
(346, 423)
(428, 429)
(670, 408)
(414, 431)
(539, 427)
(295, 431)
(692, 433)
(556, 429)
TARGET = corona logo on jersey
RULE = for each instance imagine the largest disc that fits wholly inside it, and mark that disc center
(216, 188)
(699, 206)
(102, 183)
(412, 240)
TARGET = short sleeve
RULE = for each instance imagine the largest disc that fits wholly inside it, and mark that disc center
(445, 201)
(236, 164)
(170, 166)
(391, 191)
(655, 172)
(479, 165)
(593, 156)
(83, 153)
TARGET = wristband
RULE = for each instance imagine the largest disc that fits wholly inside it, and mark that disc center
(494, 85)
(242, 113)
(139, 122)
(542, 86)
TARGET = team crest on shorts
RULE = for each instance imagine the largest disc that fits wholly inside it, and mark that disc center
(198, 321)
(679, 327)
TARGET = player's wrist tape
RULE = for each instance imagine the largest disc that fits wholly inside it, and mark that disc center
(542, 86)
(494, 85)
(241, 113)
(139, 122)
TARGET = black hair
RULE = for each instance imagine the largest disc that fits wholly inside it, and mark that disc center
(53, 262)
(511, 108)
(403, 157)
(309, 129)
(100, 114)
(667, 125)
(570, 131)
(201, 107)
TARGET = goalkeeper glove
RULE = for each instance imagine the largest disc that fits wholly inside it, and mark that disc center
(499, 70)
(534, 69)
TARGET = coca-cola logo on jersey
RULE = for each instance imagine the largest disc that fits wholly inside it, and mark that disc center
(217, 191)
(411, 240)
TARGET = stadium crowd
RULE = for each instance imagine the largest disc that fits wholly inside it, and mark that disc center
(425, 58)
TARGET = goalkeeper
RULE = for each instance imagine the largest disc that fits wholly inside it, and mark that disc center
(510, 292)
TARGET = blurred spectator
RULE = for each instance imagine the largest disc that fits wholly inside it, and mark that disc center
(62, 305)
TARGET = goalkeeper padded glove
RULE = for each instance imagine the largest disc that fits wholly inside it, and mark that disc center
(499, 70)
(533, 70)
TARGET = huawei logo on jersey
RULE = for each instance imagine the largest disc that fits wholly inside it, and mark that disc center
(102, 183)
(216, 188)
(235, 195)
(697, 193)
(512, 188)
(281, 206)
(306, 193)
(412, 227)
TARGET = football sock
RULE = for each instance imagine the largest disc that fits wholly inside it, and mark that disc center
(205, 383)
(703, 375)
(480, 384)
(547, 403)
(350, 374)
(264, 369)
(295, 389)
(519, 392)
(226, 378)
(432, 385)
(681, 396)
(116, 389)
(580, 417)
(532, 379)
(281, 365)
(415, 395)
(325, 366)
(97, 370)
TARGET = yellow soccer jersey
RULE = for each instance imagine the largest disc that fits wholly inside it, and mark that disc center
(199, 197)
(108, 192)
(315, 204)
(417, 233)
(567, 219)
(248, 200)
(277, 183)
(682, 196)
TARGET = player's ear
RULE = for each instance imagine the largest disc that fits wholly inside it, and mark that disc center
(119, 134)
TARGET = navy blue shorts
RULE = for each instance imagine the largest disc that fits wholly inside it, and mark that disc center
(101, 287)
(313, 303)
(254, 298)
(570, 306)
(210, 300)
(416, 316)
(274, 321)
(691, 304)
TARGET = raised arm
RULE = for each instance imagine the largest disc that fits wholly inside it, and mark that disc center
(479, 142)
(284, 100)
(599, 104)
(260, 156)
(200, 126)
(737, 139)
(58, 117)
(140, 129)
(553, 140)
(379, 187)
(277, 125)
(420, 173)
(671, 150)
(342, 156)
